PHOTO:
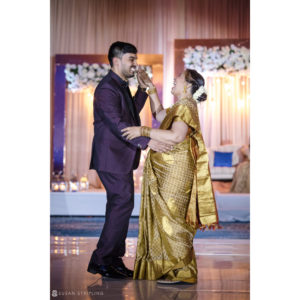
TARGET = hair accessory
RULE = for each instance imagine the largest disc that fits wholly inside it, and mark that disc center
(199, 92)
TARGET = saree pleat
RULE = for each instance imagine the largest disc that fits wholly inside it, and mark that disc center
(177, 198)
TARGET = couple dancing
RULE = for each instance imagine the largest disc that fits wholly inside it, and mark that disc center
(177, 196)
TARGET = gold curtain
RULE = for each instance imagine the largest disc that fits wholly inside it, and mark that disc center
(90, 26)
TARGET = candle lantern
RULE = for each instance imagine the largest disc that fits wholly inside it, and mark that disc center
(62, 183)
(54, 182)
(84, 183)
(73, 184)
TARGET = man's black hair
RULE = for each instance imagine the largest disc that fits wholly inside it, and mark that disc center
(118, 49)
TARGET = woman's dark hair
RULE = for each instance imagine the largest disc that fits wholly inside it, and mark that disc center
(118, 49)
(196, 80)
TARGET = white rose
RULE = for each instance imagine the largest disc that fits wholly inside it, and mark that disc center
(91, 74)
(84, 73)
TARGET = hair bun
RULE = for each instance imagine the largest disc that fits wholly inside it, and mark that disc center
(202, 97)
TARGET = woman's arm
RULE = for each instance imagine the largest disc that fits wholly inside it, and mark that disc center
(173, 136)
(157, 109)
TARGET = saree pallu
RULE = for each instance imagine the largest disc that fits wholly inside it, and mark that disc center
(177, 198)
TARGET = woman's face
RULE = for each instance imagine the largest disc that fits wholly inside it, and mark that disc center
(178, 87)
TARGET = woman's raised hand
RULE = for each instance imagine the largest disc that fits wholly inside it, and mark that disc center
(143, 79)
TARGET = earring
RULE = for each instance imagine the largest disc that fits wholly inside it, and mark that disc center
(184, 89)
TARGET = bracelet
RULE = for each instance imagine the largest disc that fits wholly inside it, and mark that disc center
(152, 90)
(145, 131)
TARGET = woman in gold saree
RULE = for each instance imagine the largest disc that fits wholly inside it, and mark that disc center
(177, 194)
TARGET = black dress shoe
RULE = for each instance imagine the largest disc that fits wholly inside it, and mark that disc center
(125, 271)
(106, 271)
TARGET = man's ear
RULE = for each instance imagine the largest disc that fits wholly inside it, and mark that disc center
(116, 61)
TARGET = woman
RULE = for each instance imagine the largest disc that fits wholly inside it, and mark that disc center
(241, 177)
(177, 195)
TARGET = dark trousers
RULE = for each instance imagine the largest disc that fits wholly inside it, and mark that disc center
(119, 206)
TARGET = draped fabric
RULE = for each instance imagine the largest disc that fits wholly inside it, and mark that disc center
(90, 26)
(177, 198)
(79, 135)
(225, 116)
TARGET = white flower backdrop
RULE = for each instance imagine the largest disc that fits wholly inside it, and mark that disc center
(88, 76)
(217, 59)
(225, 116)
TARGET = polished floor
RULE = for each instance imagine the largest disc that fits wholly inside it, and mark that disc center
(223, 273)
(92, 226)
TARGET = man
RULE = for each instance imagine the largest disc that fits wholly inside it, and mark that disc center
(114, 158)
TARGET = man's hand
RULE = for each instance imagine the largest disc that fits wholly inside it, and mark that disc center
(159, 147)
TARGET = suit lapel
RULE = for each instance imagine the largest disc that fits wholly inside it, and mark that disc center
(127, 96)
(129, 101)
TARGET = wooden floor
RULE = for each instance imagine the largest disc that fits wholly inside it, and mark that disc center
(223, 273)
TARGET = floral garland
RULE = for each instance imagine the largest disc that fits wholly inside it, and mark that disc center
(89, 75)
(228, 58)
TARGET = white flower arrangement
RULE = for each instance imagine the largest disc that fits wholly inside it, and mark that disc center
(89, 75)
(228, 58)
(199, 92)
(82, 76)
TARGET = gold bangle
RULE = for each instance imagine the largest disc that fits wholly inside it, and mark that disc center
(145, 131)
(152, 90)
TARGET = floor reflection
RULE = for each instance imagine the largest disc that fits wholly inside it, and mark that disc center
(223, 273)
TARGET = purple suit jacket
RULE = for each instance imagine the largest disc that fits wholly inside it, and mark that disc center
(115, 109)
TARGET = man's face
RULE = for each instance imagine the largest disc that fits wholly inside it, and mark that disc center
(129, 65)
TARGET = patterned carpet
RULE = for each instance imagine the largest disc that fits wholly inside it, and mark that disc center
(92, 226)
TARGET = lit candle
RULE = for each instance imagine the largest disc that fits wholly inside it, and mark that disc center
(62, 187)
(84, 183)
(55, 187)
(73, 187)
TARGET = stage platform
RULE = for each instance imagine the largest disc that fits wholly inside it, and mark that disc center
(231, 207)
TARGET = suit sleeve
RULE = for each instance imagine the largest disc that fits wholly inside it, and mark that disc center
(108, 106)
(139, 99)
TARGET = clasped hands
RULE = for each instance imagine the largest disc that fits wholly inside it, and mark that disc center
(143, 79)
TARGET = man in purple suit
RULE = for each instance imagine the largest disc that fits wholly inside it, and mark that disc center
(114, 158)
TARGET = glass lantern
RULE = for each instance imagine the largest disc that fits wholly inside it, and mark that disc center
(73, 184)
(84, 183)
(63, 185)
(55, 182)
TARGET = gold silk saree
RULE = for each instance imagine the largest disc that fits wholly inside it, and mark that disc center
(177, 198)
